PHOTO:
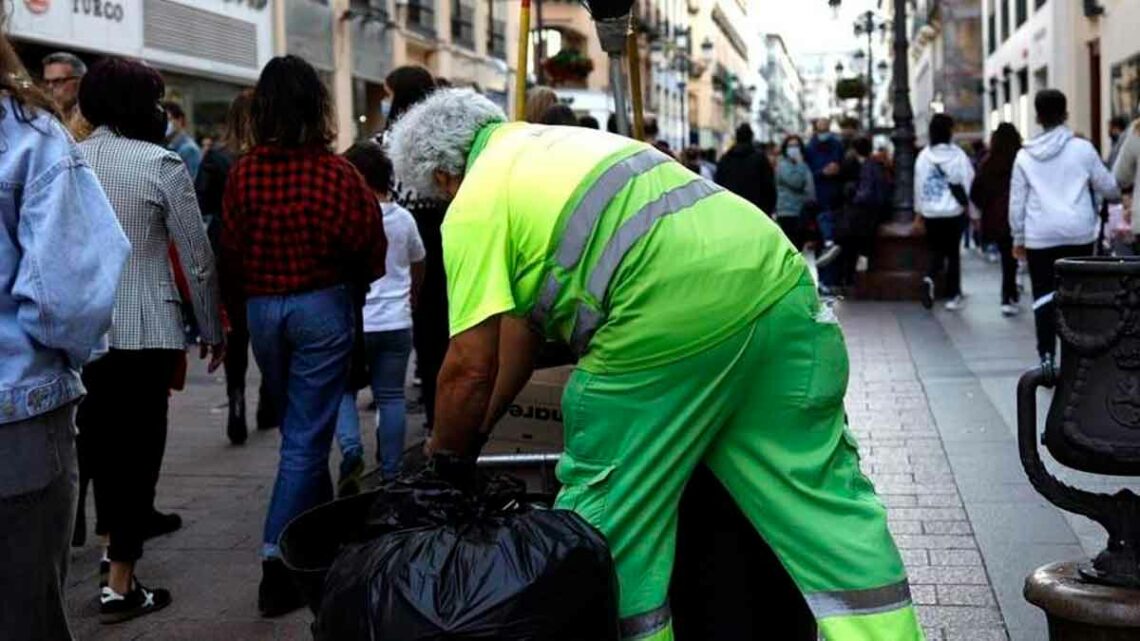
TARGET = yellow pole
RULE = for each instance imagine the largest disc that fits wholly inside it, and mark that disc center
(635, 85)
(521, 68)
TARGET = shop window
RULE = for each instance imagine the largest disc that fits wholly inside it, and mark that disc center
(421, 16)
(1023, 100)
(1126, 87)
(1021, 11)
(992, 28)
(496, 31)
(1004, 20)
(463, 24)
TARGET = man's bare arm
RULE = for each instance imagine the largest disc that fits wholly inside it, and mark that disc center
(518, 349)
(466, 382)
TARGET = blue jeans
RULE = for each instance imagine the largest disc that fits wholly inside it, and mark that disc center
(829, 275)
(303, 346)
(387, 354)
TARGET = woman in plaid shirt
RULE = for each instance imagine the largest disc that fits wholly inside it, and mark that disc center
(302, 238)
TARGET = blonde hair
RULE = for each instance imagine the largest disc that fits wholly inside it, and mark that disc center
(538, 100)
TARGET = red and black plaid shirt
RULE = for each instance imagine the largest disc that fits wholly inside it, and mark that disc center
(298, 220)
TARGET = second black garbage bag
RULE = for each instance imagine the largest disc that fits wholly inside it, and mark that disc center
(433, 562)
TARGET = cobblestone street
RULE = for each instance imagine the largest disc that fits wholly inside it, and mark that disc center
(931, 402)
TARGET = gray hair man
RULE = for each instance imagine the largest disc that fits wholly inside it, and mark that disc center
(62, 73)
(700, 337)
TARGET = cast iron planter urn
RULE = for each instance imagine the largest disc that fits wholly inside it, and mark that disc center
(1093, 426)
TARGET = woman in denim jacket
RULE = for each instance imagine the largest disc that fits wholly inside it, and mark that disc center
(61, 255)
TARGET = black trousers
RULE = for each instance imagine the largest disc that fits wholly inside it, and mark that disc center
(944, 239)
(1009, 293)
(1044, 281)
(793, 228)
(123, 420)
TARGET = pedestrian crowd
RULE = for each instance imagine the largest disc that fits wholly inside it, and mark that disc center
(262, 238)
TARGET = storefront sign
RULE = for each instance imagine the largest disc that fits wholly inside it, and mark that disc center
(228, 39)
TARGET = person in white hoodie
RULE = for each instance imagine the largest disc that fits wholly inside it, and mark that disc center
(1052, 213)
(943, 174)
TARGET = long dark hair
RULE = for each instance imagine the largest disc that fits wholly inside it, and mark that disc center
(291, 106)
(1004, 145)
(409, 85)
(238, 136)
(27, 98)
(124, 96)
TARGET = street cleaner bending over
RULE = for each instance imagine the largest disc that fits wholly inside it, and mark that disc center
(700, 336)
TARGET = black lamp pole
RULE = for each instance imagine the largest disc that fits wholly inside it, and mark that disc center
(904, 121)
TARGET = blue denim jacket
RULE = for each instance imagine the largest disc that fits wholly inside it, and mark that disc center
(61, 255)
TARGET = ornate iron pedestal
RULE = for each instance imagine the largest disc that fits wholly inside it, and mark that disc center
(1093, 426)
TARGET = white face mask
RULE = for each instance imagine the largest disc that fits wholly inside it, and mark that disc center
(169, 129)
(795, 153)
(385, 107)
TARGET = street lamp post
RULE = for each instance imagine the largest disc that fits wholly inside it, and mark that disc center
(903, 135)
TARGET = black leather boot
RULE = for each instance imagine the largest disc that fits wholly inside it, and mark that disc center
(236, 429)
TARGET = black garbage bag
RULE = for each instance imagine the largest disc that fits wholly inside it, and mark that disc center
(433, 562)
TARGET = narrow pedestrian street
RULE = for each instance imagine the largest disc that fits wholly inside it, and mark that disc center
(931, 401)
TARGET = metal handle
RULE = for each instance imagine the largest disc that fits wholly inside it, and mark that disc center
(1095, 506)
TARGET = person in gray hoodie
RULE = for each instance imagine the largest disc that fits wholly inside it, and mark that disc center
(1052, 213)
(794, 189)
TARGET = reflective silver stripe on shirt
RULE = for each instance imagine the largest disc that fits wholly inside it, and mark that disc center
(589, 210)
(638, 225)
(584, 217)
(632, 230)
(646, 624)
(859, 602)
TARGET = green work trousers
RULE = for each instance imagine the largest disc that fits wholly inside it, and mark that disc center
(764, 410)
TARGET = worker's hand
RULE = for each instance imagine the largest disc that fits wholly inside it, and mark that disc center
(1019, 252)
(831, 169)
(919, 224)
(217, 354)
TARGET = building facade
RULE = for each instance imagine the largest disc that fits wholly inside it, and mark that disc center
(721, 96)
(946, 65)
(780, 107)
(1086, 48)
(207, 50)
(356, 43)
(819, 76)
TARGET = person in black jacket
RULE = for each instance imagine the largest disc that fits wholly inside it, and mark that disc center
(746, 172)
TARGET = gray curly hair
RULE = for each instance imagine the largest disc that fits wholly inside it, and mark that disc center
(436, 135)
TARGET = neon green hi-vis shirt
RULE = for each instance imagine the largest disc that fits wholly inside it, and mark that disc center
(697, 276)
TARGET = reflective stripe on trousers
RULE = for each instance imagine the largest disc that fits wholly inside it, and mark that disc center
(581, 224)
(859, 602)
(646, 623)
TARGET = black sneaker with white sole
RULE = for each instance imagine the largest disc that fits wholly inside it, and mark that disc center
(141, 601)
(928, 292)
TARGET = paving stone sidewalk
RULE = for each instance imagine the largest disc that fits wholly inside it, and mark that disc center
(903, 454)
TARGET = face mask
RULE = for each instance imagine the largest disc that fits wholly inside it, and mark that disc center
(795, 153)
(385, 108)
(169, 129)
(1114, 138)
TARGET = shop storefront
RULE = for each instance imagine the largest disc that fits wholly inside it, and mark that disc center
(208, 50)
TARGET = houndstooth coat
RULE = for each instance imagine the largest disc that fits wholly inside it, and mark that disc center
(153, 197)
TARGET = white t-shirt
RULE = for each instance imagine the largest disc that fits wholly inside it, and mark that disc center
(389, 303)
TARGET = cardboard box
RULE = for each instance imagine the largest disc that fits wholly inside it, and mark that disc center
(533, 423)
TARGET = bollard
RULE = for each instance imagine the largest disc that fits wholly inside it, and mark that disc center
(1093, 426)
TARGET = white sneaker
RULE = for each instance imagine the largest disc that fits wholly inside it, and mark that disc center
(1010, 309)
(830, 253)
(956, 303)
